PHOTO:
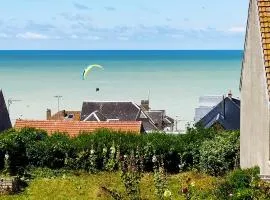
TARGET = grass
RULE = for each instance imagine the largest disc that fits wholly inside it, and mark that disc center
(88, 186)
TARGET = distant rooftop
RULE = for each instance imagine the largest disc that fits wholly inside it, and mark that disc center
(74, 128)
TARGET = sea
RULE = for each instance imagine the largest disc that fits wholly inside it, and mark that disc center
(171, 80)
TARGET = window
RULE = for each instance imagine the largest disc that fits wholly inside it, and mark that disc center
(70, 116)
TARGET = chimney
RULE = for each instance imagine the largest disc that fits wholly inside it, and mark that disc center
(145, 104)
(230, 94)
(49, 114)
(64, 113)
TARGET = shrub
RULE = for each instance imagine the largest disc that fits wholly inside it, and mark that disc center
(131, 177)
(239, 184)
(32, 147)
(219, 155)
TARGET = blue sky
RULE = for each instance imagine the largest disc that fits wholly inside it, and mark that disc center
(122, 24)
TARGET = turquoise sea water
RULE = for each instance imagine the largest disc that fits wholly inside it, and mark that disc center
(175, 78)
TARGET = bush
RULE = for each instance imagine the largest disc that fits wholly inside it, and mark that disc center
(221, 154)
(32, 147)
(240, 184)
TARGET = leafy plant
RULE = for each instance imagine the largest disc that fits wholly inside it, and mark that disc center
(160, 179)
(131, 177)
(240, 184)
(217, 156)
(111, 163)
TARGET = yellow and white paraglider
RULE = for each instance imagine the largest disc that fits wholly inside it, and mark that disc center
(88, 69)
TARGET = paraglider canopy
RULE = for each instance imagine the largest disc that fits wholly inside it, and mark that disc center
(88, 69)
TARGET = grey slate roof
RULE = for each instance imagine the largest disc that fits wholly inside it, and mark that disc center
(169, 120)
(123, 111)
(201, 112)
(230, 119)
(206, 104)
(157, 116)
(4, 116)
(95, 116)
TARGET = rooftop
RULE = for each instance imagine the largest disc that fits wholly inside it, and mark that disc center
(74, 128)
(264, 18)
(4, 115)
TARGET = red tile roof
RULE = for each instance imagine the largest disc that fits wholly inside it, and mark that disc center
(73, 128)
(264, 17)
(61, 115)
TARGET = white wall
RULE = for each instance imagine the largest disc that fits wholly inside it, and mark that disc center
(254, 126)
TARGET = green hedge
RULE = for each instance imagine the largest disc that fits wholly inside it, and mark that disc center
(32, 147)
(221, 154)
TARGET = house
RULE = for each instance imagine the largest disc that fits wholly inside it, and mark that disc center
(206, 104)
(102, 111)
(255, 89)
(161, 121)
(74, 128)
(117, 111)
(4, 115)
(63, 115)
(159, 117)
(225, 115)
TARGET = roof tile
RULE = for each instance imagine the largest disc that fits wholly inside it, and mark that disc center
(264, 17)
(73, 128)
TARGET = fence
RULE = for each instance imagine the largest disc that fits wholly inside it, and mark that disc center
(8, 186)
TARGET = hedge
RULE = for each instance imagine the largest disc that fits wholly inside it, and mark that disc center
(103, 149)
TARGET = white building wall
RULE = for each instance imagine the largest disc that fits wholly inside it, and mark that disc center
(254, 125)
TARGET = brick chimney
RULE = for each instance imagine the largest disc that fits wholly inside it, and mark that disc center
(48, 114)
(145, 104)
(230, 94)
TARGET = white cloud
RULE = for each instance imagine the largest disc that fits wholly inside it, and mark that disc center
(237, 29)
(123, 38)
(81, 6)
(92, 38)
(3, 35)
(177, 36)
(32, 36)
(74, 36)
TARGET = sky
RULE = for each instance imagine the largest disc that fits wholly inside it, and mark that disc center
(122, 24)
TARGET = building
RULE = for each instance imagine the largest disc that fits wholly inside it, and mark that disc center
(225, 115)
(4, 115)
(206, 104)
(63, 115)
(117, 111)
(102, 111)
(255, 89)
(74, 128)
(161, 121)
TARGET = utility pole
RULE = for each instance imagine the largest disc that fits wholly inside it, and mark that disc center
(176, 123)
(58, 99)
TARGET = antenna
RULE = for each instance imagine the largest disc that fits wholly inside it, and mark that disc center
(58, 99)
(10, 101)
(148, 94)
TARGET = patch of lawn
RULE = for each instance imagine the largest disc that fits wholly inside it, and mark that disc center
(88, 186)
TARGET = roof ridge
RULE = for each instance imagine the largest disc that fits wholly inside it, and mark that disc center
(236, 103)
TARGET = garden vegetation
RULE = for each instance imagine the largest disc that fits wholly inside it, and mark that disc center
(172, 166)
